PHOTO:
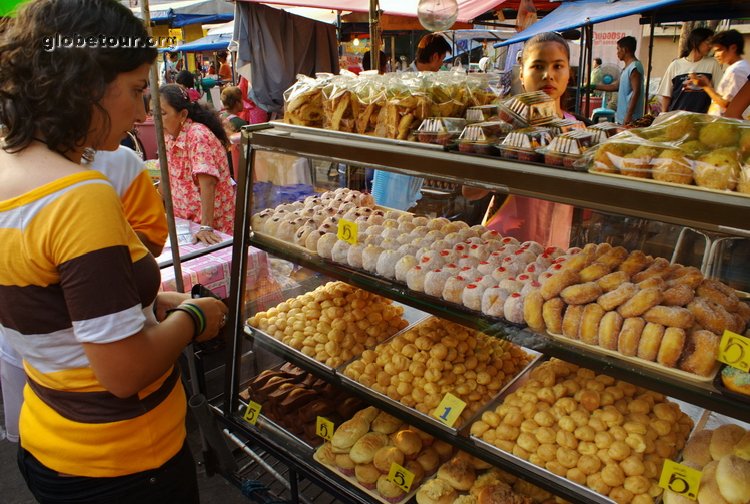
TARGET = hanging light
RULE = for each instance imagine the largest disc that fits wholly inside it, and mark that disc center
(437, 15)
(355, 42)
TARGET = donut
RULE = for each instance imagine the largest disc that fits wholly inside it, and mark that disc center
(618, 296)
(578, 262)
(630, 336)
(528, 287)
(700, 352)
(370, 256)
(654, 281)
(651, 338)
(415, 278)
(552, 312)
(340, 251)
(557, 282)
(609, 330)
(594, 272)
(572, 321)
(471, 297)
(671, 347)
(641, 302)
(613, 280)
(513, 308)
(690, 276)
(493, 301)
(386, 265)
(325, 245)
(403, 266)
(501, 273)
(454, 288)
(592, 316)
(311, 242)
(660, 268)
(711, 316)
(581, 294)
(634, 263)
(533, 311)
(678, 295)
(434, 282)
(718, 293)
(510, 284)
(674, 316)
(613, 257)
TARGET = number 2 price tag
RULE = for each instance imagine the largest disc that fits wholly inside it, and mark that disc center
(347, 231)
(324, 428)
(449, 409)
(680, 479)
(401, 477)
(734, 350)
(252, 413)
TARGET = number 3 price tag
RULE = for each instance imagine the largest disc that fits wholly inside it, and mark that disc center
(449, 409)
(324, 428)
(347, 231)
(680, 479)
(400, 477)
(252, 413)
(734, 350)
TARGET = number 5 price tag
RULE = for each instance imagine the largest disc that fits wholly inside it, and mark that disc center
(449, 409)
(252, 413)
(400, 477)
(734, 350)
(347, 231)
(680, 479)
(324, 428)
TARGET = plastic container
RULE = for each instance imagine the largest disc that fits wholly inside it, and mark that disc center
(565, 150)
(480, 138)
(528, 109)
(523, 144)
(602, 131)
(561, 126)
(440, 130)
(481, 114)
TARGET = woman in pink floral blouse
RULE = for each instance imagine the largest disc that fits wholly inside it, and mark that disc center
(202, 187)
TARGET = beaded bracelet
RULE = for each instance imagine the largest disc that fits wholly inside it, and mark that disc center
(197, 316)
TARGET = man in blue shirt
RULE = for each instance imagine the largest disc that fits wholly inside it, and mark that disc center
(630, 91)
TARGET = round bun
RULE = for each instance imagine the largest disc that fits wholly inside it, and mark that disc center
(385, 423)
(364, 449)
(697, 449)
(733, 479)
(459, 473)
(345, 464)
(408, 442)
(416, 469)
(443, 449)
(324, 454)
(367, 475)
(386, 456)
(389, 490)
(724, 439)
(429, 460)
(742, 450)
(436, 491)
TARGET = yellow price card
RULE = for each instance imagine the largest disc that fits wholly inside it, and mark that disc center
(347, 231)
(449, 409)
(252, 412)
(324, 428)
(401, 477)
(680, 479)
(734, 350)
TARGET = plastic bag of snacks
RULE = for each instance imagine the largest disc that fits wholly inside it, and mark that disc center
(303, 102)
(370, 90)
(406, 106)
(483, 89)
(341, 106)
(446, 93)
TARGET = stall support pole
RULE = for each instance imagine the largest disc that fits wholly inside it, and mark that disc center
(589, 31)
(581, 73)
(375, 42)
(650, 67)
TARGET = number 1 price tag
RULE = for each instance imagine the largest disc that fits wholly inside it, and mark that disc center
(680, 479)
(347, 231)
(324, 428)
(449, 409)
(734, 350)
(252, 413)
(401, 477)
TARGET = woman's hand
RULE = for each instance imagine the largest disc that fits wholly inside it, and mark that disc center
(216, 317)
(207, 237)
(166, 301)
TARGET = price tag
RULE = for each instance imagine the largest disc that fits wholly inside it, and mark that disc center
(252, 413)
(680, 479)
(449, 409)
(734, 350)
(401, 477)
(348, 231)
(324, 428)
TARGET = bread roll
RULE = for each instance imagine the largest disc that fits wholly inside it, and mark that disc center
(436, 491)
(697, 449)
(444, 450)
(364, 449)
(386, 456)
(459, 473)
(724, 439)
(345, 464)
(385, 423)
(429, 460)
(324, 454)
(733, 478)
(709, 490)
(408, 442)
(367, 415)
(742, 450)
(367, 475)
(348, 433)
(390, 491)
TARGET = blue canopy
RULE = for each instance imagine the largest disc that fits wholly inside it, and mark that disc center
(576, 13)
(186, 12)
(217, 42)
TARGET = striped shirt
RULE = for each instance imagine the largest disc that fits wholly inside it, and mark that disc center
(72, 271)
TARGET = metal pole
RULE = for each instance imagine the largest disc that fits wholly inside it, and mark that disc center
(375, 43)
(590, 49)
(648, 73)
(580, 73)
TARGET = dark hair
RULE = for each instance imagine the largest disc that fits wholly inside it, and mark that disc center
(185, 78)
(231, 96)
(178, 99)
(695, 39)
(545, 37)
(598, 61)
(52, 92)
(730, 38)
(367, 65)
(431, 44)
(222, 55)
(628, 43)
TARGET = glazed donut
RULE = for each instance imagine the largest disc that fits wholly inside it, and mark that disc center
(578, 262)
(581, 294)
(533, 311)
(671, 347)
(592, 316)
(700, 352)
(614, 257)
(674, 316)
(641, 302)
(609, 330)
(690, 276)
(660, 268)
(654, 281)
(635, 262)
(615, 298)
(651, 338)
(557, 282)
(630, 336)
(594, 272)
(678, 295)
(718, 293)
(552, 312)
(572, 321)
(613, 280)
(711, 316)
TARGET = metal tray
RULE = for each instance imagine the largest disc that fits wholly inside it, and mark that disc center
(372, 493)
(267, 427)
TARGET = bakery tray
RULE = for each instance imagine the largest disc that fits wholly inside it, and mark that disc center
(372, 493)
(719, 385)
(673, 184)
(266, 426)
(677, 373)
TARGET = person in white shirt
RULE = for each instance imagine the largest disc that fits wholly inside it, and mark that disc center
(676, 88)
(729, 46)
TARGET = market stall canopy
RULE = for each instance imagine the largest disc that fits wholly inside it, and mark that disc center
(574, 14)
(187, 12)
(216, 42)
(467, 9)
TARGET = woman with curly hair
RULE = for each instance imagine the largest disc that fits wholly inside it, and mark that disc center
(202, 186)
(103, 418)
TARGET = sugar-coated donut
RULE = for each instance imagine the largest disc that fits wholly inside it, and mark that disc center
(325, 245)
(572, 321)
(614, 257)
(552, 312)
(641, 302)
(711, 316)
(613, 280)
(678, 295)
(718, 293)
(671, 347)
(654, 281)
(674, 316)
(471, 297)
(594, 272)
(513, 308)
(340, 252)
(651, 337)
(591, 318)
(415, 278)
(403, 266)
(386, 265)
(618, 296)
(635, 262)
(370, 256)
(630, 336)
(660, 268)
(559, 281)
(434, 281)
(581, 293)
(700, 352)
(532, 310)
(609, 330)
(578, 262)
(493, 301)
(690, 276)
(454, 288)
